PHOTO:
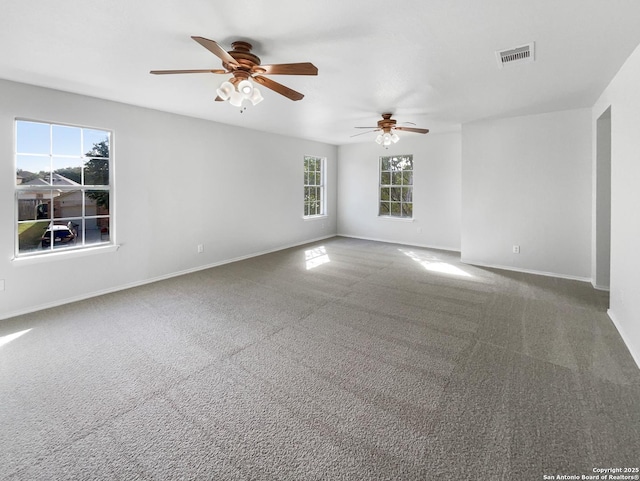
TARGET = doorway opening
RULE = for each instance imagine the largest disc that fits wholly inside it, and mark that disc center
(603, 202)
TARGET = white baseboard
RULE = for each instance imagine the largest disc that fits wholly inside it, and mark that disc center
(526, 271)
(89, 295)
(625, 337)
(388, 241)
(600, 288)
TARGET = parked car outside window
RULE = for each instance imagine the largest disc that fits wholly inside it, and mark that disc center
(63, 234)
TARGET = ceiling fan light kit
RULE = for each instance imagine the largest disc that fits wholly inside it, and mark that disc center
(245, 91)
(387, 139)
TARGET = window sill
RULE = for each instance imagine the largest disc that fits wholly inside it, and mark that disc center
(396, 219)
(314, 217)
(64, 255)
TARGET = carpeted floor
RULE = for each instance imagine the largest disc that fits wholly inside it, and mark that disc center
(339, 360)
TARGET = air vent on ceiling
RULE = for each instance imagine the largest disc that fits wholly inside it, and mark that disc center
(512, 56)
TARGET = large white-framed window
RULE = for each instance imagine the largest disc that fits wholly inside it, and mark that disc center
(314, 189)
(396, 186)
(63, 187)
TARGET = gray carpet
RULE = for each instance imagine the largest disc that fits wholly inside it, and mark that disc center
(339, 360)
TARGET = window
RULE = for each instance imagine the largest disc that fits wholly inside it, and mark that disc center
(62, 187)
(314, 204)
(396, 186)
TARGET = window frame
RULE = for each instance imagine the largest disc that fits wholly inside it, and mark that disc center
(101, 223)
(390, 214)
(318, 185)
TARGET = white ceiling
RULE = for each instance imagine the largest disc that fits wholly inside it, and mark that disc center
(431, 62)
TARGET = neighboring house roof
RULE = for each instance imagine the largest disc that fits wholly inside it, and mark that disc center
(57, 179)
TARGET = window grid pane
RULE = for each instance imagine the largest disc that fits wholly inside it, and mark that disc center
(75, 211)
(313, 186)
(396, 186)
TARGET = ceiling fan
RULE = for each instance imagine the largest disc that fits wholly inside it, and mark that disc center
(244, 65)
(387, 127)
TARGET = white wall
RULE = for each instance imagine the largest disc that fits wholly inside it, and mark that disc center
(436, 196)
(527, 181)
(179, 182)
(623, 96)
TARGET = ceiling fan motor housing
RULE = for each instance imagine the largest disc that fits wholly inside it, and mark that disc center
(387, 123)
(248, 63)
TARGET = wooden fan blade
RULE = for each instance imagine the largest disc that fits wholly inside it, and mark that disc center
(362, 133)
(219, 99)
(217, 50)
(279, 88)
(413, 129)
(365, 127)
(165, 72)
(305, 68)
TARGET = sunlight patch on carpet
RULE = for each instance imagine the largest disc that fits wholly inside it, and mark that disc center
(316, 257)
(433, 264)
(11, 337)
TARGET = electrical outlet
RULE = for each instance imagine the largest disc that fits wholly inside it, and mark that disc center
(200, 248)
(516, 249)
